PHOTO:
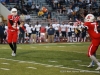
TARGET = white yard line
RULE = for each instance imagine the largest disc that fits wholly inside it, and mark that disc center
(47, 65)
(77, 60)
(32, 67)
(52, 61)
(61, 46)
(82, 65)
(5, 63)
(19, 47)
(4, 68)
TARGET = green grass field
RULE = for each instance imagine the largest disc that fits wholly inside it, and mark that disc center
(47, 59)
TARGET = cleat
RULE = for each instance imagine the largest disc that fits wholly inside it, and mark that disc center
(13, 54)
(91, 65)
(98, 68)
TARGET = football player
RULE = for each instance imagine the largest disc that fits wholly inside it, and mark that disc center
(94, 34)
(13, 22)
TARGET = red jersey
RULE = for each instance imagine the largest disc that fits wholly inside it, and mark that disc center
(43, 30)
(13, 20)
(92, 30)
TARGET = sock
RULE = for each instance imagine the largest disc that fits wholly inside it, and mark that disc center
(95, 60)
(11, 46)
(15, 47)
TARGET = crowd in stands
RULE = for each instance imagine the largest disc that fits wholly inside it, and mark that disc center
(71, 30)
(75, 8)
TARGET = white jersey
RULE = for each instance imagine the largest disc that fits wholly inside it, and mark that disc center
(72, 28)
(37, 27)
(56, 26)
(47, 27)
(26, 25)
(29, 29)
(33, 28)
(68, 28)
(63, 27)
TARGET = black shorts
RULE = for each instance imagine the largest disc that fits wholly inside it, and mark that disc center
(77, 35)
(57, 33)
(63, 33)
(69, 34)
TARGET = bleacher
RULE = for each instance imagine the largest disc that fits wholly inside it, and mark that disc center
(55, 15)
(34, 16)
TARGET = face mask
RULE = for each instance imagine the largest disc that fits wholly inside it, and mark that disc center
(14, 13)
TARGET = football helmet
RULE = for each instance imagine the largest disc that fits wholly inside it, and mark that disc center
(14, 11)
(89, 18)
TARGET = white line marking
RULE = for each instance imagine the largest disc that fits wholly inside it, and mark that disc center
(61, 46)
(31, 62)
(49, 66)
(59, 67)
(77, 60)
(19, 47)
(52, 61)
(5, 63)
(22, 62)
(4, 69)
(82, 65)
(32, 67)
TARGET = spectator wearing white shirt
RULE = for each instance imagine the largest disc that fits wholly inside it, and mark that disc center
(63, 27)
(56, 26)
(29, 32)
(73, 32)
(38, 26)
(69, 34)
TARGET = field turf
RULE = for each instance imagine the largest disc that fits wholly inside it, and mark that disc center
(47, 59)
